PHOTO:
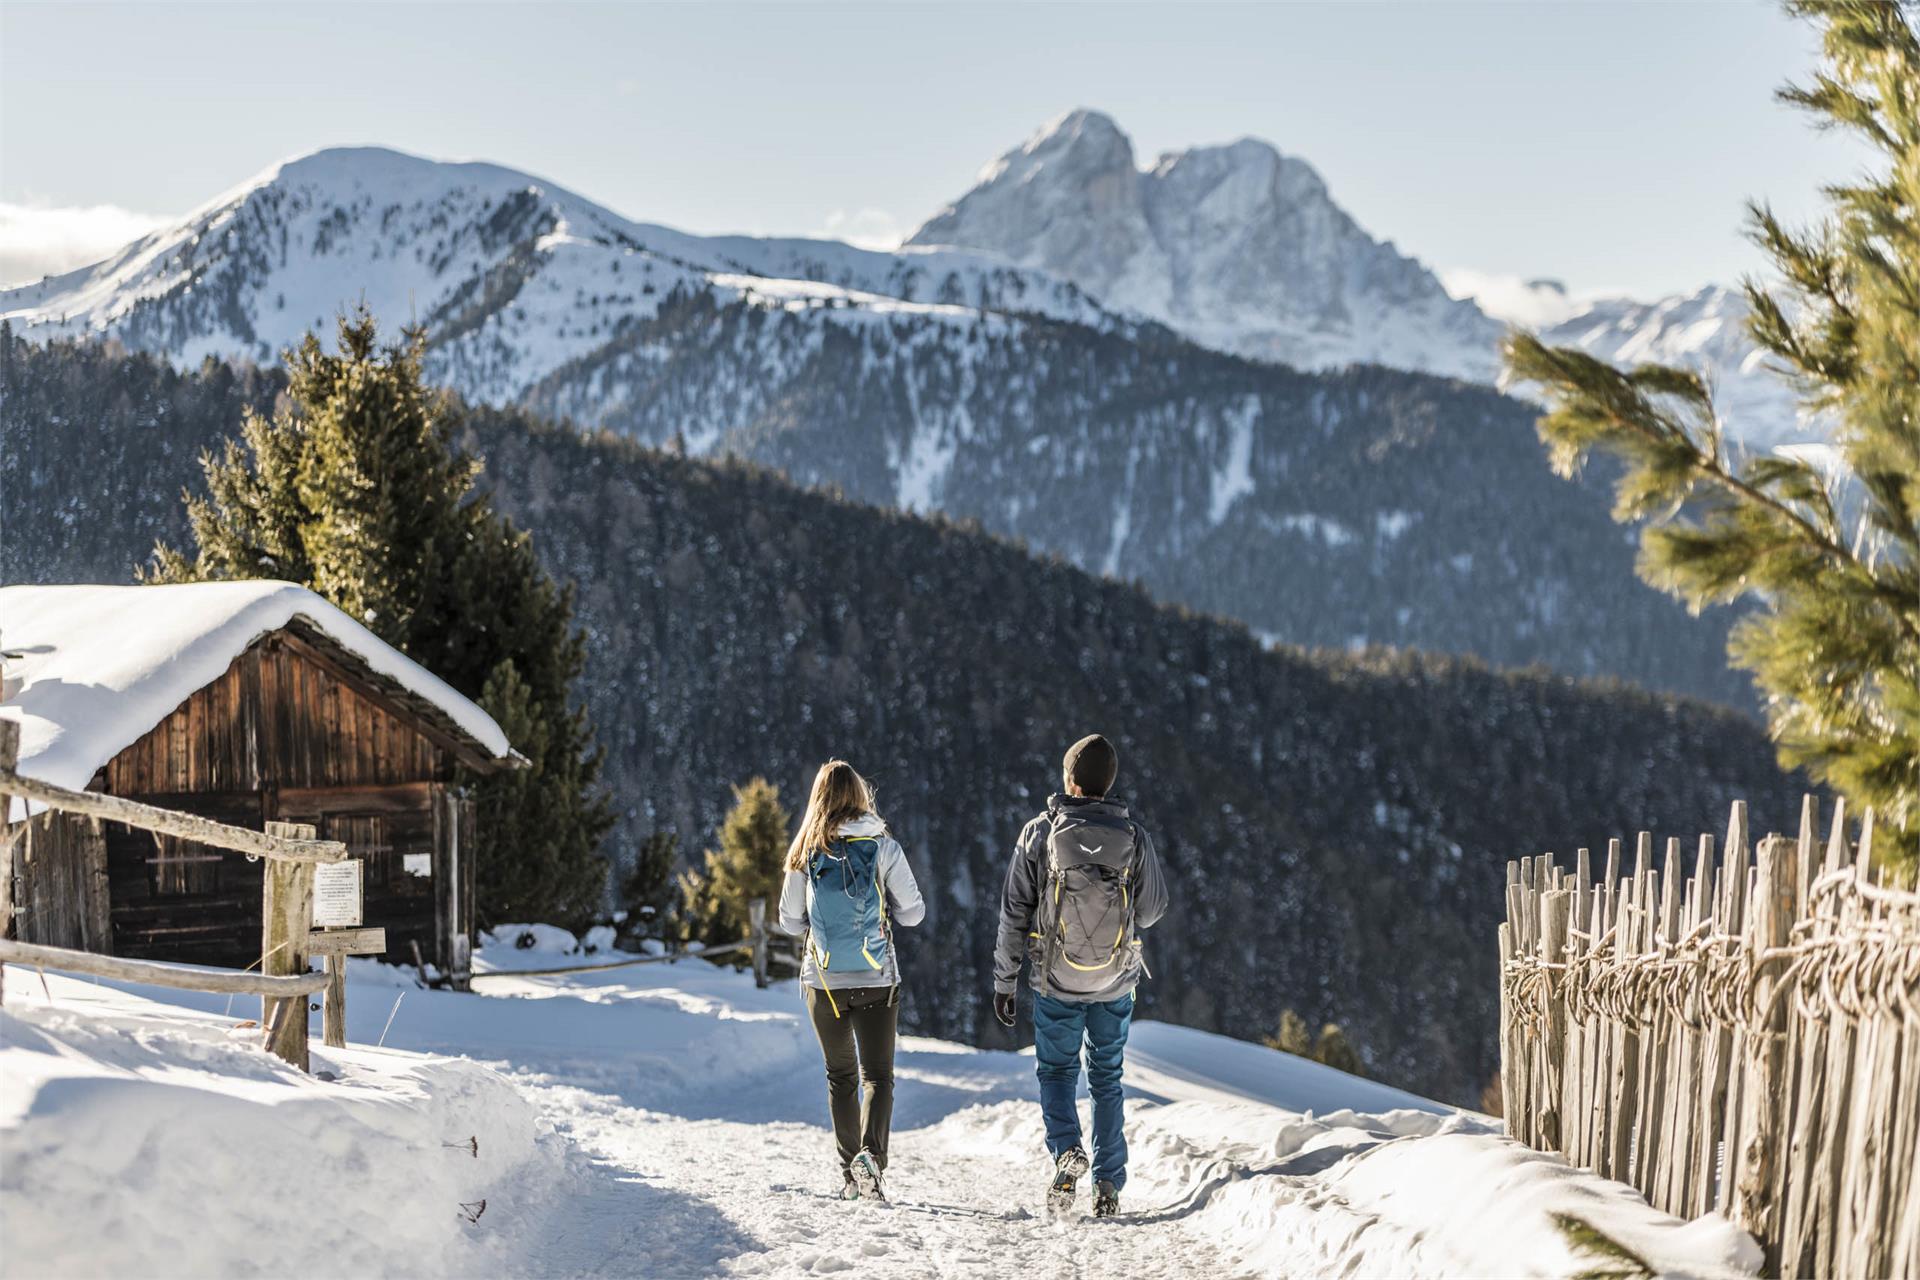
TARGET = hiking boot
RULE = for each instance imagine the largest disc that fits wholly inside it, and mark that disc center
(1106, 1199)
(1066, 1177)
(865, 1172)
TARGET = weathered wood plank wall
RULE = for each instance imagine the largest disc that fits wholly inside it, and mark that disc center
(60, 869)
(283, 715)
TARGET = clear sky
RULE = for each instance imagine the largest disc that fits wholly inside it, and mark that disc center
(1609, 144)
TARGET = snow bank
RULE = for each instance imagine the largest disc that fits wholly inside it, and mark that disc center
(670, 1120)
(1185, 1063)
(101, 665)
(1449, 1191)
(1409, 1193)
(139, 1138)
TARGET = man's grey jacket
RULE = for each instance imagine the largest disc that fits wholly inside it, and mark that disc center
(1027, 876)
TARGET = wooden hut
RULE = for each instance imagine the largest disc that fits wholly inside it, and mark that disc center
(248, 702)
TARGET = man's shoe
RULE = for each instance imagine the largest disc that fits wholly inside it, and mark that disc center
(865, 1172)
(1106, 1199)
(1066, 1177)
(849, 1189)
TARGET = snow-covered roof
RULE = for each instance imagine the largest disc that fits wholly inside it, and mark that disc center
(99, 666)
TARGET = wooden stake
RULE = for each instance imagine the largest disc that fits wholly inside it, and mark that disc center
(1770, 928)
(9, 753)
(333, 1018)
(1553, 931)
(286, 915)
(757, 921)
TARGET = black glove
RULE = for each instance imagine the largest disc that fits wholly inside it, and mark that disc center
(1004, 1007)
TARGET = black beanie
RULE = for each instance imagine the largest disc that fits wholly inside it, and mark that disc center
(1092, 764)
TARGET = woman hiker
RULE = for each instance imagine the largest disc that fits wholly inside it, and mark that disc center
(848, 884)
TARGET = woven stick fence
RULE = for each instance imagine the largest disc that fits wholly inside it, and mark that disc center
(1737, 1034)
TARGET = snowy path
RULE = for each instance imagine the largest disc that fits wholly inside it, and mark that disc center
(962, 1205)
(670, 1122)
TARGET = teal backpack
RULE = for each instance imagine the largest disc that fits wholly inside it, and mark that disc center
(847, 906)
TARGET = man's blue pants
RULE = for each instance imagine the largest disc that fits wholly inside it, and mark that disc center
(1060, 1028)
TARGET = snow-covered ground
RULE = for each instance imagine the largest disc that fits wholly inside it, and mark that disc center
(669, 1120)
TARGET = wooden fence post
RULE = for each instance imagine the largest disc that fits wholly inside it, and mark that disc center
(757, 919)
(1623, 1099)
(9, 753)
(333, 1004)
(1811, 1130)
(1770, 924)
(286, 915)
(1555, 908)
(1730, 1044)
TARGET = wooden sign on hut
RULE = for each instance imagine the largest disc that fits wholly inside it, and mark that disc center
(249, 703)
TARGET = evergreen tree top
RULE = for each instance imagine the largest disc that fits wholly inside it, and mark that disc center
(1828, 543)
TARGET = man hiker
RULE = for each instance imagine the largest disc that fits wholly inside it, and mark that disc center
(1083, 881)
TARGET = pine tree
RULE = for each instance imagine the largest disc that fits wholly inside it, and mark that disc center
(354, 486)
(1333, 1049)
(1833, 560)
(540, 859)
(649, 894)
(1291, 1037)
(747, 865)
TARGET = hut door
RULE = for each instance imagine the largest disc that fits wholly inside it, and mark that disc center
(397, 848)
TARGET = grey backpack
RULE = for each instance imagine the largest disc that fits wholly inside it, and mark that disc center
(1085, 915)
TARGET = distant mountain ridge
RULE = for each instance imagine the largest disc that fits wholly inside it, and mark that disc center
(1244, 249)
(512, 276)
(1339, 509)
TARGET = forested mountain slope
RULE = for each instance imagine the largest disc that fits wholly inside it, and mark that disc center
(1350, 506)
(1336, 509)
(1335, 827)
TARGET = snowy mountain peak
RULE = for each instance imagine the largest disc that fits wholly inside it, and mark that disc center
(516, 277)
(1092, 136)
(1237, 245)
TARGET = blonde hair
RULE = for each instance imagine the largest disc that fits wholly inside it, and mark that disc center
(839, 795)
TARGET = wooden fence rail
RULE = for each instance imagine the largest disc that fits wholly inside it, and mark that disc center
(171, 822)
(157, 973)
(292, 852)
(1735, 1034)
(759, 941)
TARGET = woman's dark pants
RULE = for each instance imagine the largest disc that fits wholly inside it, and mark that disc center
(858, 1046)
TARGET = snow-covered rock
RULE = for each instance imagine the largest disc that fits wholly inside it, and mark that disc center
(1238, 246)
(1244, 249)
(526, 285)
(1704, 330)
